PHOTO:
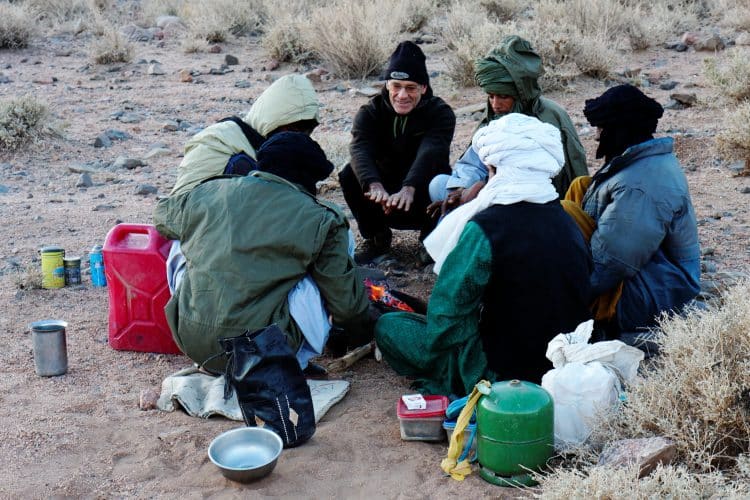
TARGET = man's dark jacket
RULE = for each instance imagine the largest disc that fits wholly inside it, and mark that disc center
(398, 150)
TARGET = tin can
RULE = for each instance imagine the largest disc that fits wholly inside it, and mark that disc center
(53, 271)
(96, 262)
(50, 349)
(72, 267)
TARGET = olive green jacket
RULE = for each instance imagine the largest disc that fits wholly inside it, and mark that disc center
(248, 241)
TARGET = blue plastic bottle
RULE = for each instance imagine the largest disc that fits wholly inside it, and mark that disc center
(96, 262)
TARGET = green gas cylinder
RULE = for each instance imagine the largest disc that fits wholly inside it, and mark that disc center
(515, 432)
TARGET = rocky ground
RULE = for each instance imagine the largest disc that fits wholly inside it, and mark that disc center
(122, 129)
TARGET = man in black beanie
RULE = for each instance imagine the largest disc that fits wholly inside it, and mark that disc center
(400, 141)
(640, 219)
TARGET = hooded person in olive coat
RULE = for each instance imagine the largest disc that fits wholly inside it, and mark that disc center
(509, 75)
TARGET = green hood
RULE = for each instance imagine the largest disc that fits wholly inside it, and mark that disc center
(291, 98)
(512, 62)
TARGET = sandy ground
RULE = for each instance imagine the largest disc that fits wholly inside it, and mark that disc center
(82, 434)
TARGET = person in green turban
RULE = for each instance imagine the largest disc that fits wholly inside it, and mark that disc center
(509, 75)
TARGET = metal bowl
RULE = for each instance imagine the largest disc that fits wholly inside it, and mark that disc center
(245, 454)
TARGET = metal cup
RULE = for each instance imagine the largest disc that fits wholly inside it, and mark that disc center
(50, 350)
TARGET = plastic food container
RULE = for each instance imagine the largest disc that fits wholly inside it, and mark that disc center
(423, 425)
(450, 426)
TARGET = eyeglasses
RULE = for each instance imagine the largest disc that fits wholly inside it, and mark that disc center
(396, 87)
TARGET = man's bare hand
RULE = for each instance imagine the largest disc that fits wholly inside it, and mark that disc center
(470, 193)
(377, 194)
(442, 207)
(401, 200)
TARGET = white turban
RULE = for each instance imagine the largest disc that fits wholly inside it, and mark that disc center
(526, 154)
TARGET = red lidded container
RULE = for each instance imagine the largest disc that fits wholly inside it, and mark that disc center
(423, 425)
(135, 258)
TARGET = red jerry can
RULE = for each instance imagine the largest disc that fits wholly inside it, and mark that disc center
(135, 258)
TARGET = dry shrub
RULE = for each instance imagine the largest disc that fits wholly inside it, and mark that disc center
(193, 45)
(112, 48)
(730, 75)
(594, 56)
(733, 13)
(697, 393)
(414, 14)
(354, 39)
(22, 119)
(503, 10)
(151, 9)
(29, 278)
(734, 138)
(615, 483)
(469, 35)
(284, 32)
(16, 26)
(216, 20)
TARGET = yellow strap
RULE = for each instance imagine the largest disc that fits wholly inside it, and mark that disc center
(450, 464)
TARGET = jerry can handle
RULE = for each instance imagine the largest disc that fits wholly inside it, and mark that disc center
(120, 231)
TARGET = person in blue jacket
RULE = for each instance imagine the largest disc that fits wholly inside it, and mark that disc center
(645, 237)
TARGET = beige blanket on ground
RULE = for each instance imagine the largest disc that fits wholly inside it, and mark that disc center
(202, 395)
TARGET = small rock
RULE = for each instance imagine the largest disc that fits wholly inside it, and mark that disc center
(686, 99)
(273, 64)
(427, 39)
(230, 60)
(708, 266)
(316, 75)
(681, 47)
(368, 91)
(102, 141)
(145, 189)
(242, 84)
(672, 104)
(185, 125)
(745, 190)
(163, 21)
(707, 252)
(185, 76)
(737, 166)
(4, 79)
(45, 80)
(214, 49)
(117, 135)
(156, 152)
(712, 43)
(155, 69)
(668, 85)
(148, 399)
(170, 126)
(216, 71)
(102, 208)
(647, 453)
(137, 34)
(131, 118)
(743, 38)
(84, 180)
(128, 163)
(689, 38)
(471, 109)
(82, 169)
(629, 72)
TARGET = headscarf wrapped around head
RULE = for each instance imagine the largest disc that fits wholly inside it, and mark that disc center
(512, 68)
(294, 156)
(626, 116)
(526, 154)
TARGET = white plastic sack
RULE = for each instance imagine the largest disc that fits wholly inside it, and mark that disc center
(586, 381)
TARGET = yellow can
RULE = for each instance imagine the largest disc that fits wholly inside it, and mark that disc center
(53, 269)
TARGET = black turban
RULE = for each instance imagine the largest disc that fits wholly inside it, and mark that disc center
(294, 156)
(626, 116)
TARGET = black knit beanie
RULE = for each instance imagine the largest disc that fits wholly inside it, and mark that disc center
(407, 63)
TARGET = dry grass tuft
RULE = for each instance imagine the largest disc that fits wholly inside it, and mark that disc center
(284, 33)
(29, 278)
(413, 15)
(697, 393)
(503, 10)
(344, 36)
(22, 120)
(730, 75)
(734, 138)
(663, 482)
(469, 35)
(112, 48)
(16, 26)
(217, 20)
(151, 9)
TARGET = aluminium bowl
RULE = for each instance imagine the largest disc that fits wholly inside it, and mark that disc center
(245, 454)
